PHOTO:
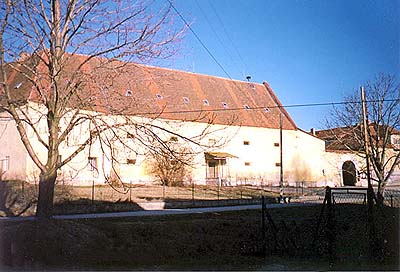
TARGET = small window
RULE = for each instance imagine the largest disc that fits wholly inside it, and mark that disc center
(211, 142)
(247, 164)
(159, 96)
(278, 164)
(225, 105)
(130, 136)
(131, 161)
(247, 107)
(206, 103)
(128, 93)
(5, 164)
(276, 144)
(185, 99)
(246, 142)
(92, 162)
(173, 139)
(395, 140)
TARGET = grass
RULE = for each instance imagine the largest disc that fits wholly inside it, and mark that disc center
(216, 241)
(19, 197)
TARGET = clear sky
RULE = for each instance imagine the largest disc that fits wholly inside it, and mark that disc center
(309, 51)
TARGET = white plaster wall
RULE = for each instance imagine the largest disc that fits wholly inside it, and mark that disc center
(12, 147)
(304, 158)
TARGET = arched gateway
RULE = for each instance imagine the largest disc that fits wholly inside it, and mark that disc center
(349, 173)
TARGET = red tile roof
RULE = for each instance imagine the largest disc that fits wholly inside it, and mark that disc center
(129, 88)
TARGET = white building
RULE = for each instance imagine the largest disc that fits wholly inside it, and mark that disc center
(242, 120)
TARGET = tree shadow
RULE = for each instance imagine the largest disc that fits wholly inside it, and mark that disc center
(86, 205)
(176, 203)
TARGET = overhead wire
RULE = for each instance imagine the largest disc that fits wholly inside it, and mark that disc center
(267, 107)
(217, 36)
(203, 45)
(228, 36)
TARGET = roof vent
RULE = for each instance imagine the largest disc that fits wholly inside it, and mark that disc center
(206, 103)
(247, 107)
(128, 93)
(185, 99)
(266, 109)
(225, 105)
(18, 85)
(159, 96)
(248, 78)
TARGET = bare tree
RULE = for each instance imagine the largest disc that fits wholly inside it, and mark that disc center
(62, 48)
(170, 162)
(347, 133)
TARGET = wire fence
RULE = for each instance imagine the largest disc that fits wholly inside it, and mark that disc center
(19, 198)
(391, 197)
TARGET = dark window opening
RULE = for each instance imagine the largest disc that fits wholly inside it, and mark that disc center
(131, 161)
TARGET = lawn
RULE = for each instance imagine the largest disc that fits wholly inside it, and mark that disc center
(222, 241)
(19, 198)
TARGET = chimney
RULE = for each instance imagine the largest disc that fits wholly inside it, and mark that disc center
(23, 56)
(312, 131)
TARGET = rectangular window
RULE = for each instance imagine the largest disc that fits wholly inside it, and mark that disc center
(247, 163)
(276, 144)
(278, 164)
(92, 162)
(5, 164)
(246, 142)
(131, 161)
(396, 140)
(211, 142)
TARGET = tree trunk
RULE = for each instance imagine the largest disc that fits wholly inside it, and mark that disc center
(379, 198)
(46, 195)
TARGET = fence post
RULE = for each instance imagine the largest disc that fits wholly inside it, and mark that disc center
(331, 231)
(92, 193)
(192, 191)
(263, 230)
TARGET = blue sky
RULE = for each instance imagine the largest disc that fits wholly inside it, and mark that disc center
(308, 51)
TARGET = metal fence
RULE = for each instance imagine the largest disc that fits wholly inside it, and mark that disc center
(391, 197)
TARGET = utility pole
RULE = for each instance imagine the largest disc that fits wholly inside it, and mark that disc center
(370, 191)
(365, 128)
(281, 159)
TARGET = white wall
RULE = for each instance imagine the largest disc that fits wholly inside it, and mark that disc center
(303, 154)
(12, 149)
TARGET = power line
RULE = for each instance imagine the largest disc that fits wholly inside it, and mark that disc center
(228, 36)
(203, 45)
(216, 35)
(266, 108)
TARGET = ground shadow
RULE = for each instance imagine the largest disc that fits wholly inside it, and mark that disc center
(86, 205)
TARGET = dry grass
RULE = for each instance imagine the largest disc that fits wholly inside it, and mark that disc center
(228, 241)
(19, 198)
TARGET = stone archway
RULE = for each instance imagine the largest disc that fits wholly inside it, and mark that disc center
(349, 173)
